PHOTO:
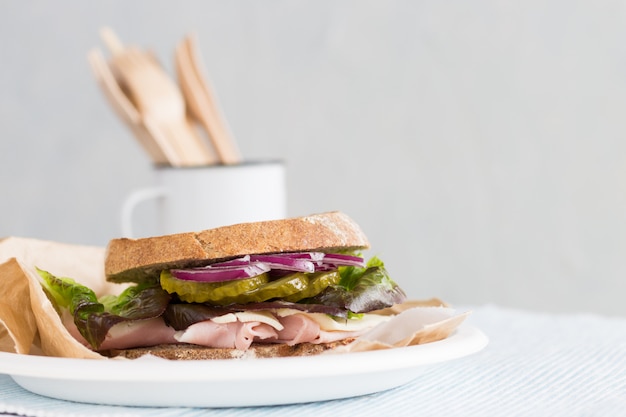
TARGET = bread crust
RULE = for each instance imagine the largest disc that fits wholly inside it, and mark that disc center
(138, 260)
(257, 350)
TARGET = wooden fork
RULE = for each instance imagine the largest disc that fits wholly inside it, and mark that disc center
(159, 102)
(202, 103)
(160, 153)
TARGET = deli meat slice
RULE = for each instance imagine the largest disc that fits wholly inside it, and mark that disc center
(298, 328)
(233, 335)
(138, 333)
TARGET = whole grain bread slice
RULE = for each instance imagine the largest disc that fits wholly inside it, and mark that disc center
(183, 351)
(138, 260)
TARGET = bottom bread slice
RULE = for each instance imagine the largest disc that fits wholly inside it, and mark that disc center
(184, 351)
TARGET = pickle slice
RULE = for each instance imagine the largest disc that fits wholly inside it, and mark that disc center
(293, 288)
(318, 282)
(280, 288)
(220, 293)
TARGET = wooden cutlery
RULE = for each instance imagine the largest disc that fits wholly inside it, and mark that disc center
(162, 115)
(201, 101)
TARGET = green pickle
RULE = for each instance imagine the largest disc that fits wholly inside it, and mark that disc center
(210, 292)
(280, 288)
(318, 282)
(293, 288)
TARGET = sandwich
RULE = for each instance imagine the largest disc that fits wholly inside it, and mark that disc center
(289, 287)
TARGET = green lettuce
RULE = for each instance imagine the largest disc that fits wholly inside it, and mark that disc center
(361, 290)
(182, 315)
(93, 317)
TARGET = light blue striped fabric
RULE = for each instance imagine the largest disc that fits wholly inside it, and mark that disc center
(535, 365)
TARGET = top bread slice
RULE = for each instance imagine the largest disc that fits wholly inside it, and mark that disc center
(139, 260)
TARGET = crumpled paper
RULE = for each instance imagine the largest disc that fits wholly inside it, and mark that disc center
(29, 324)
(414, 326)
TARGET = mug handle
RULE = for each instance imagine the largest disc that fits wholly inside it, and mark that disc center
(131, 202)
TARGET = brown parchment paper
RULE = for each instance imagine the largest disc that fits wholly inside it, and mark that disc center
(19, 326)
(29, 324)
(416, 325)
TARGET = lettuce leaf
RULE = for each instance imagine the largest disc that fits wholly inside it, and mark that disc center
(94, 318)
(361, 290)
(182, 315)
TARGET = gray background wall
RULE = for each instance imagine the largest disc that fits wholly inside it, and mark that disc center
(479, 144)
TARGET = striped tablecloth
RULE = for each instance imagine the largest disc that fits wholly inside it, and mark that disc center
(536, 364)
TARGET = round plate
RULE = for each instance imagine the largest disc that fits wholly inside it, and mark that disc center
(154, 382)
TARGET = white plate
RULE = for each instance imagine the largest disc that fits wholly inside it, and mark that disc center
(233, 383)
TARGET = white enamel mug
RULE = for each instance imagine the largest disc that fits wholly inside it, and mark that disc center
(198, 198)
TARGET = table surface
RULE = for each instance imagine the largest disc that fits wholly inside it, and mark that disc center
(535, 364)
